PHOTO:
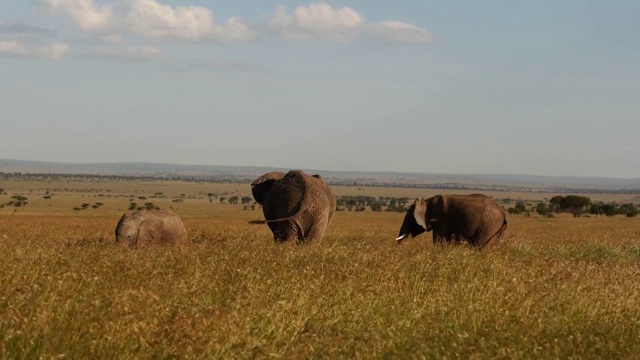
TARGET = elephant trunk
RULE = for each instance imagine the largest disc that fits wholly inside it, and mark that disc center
(410, 226)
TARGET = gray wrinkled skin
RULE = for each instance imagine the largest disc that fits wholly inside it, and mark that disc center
(476, 219)
(296, 206)
(145, 227)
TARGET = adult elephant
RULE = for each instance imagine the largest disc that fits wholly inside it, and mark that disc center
(475, 218)
(296, 206)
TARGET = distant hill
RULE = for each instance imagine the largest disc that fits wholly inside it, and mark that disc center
(507, 182)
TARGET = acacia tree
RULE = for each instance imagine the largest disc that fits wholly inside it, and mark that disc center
(629, 210)
(575, 204)
(543, 209)
(19, 201)
(596, 209)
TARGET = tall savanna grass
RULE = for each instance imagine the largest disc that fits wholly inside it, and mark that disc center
(555, 288)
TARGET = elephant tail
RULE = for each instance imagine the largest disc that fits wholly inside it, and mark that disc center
(287, 218)
(498, 233)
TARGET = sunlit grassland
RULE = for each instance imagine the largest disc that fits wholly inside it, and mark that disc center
(555, 288)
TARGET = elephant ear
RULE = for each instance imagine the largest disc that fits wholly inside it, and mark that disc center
(437, 206)
(420, 213)
(262, 185)
(119, 226)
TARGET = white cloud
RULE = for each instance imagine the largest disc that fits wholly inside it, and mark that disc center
(84, 13)
(154, 20)
(53, 51)
(343, 25)
(129, 55)
(151, 19)
(318, 21)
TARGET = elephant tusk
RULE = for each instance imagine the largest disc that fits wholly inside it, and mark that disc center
(401, 237)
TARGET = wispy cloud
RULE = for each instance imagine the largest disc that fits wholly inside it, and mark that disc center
(151, 19)
(400, 32)
(98, 39)
(12, 48)
(204, 64)
(20, 28)
(126, 55)
(16, 49)
(340, 25)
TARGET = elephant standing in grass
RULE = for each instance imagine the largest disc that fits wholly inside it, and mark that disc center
(145, 227)
(296, 206)
(475, 218)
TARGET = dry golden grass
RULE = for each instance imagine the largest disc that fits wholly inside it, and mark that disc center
(555, 288)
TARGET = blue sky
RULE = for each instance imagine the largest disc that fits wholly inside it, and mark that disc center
(538, 87)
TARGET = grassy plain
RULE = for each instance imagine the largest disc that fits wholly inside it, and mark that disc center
(555, 288)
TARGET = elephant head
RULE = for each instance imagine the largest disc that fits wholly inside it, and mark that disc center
(421, 216)
(262, 185)
(128, 230)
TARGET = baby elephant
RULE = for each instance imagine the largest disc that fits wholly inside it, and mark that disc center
(151, 227)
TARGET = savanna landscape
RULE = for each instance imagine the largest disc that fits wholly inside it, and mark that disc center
(555, 287)
(319, 179)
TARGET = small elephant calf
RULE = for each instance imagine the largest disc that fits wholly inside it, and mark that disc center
(162, 227)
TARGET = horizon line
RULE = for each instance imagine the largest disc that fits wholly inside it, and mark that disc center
(324, 170)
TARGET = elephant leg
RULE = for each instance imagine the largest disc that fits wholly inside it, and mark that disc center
(287, 231)
(457, 238)
(274, 230)
(441, 237)
(317, 231)
(487, 238)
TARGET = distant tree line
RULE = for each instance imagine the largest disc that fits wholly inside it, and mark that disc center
(376, 204)
(575, 205)
(612, 209)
